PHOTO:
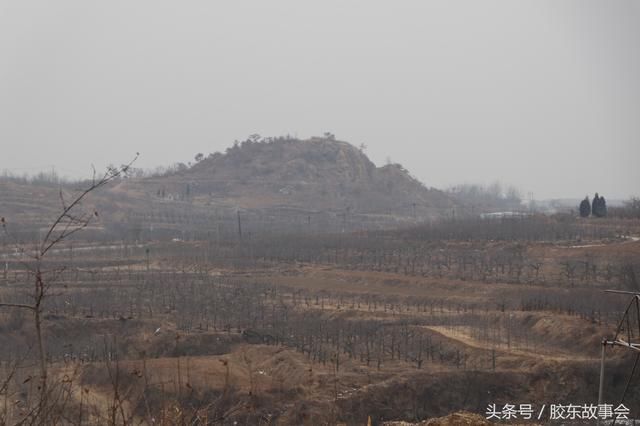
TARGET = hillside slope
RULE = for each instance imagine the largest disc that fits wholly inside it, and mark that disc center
(315, 174)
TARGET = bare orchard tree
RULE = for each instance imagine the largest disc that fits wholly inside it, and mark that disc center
(71, 219)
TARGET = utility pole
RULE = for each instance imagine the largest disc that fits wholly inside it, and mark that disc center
(531, 205)
(627, 336)
(600, 389)
(239, 225)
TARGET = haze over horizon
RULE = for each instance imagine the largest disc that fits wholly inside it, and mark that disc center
(541, 95)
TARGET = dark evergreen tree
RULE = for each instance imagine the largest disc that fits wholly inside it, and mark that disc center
(599, 206)
(585, 207)
(602, 212)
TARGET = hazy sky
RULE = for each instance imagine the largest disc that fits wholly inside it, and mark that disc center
(541, 94)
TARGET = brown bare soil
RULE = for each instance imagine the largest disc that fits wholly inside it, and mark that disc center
(182, 331)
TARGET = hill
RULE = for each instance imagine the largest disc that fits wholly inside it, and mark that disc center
(318, 174)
